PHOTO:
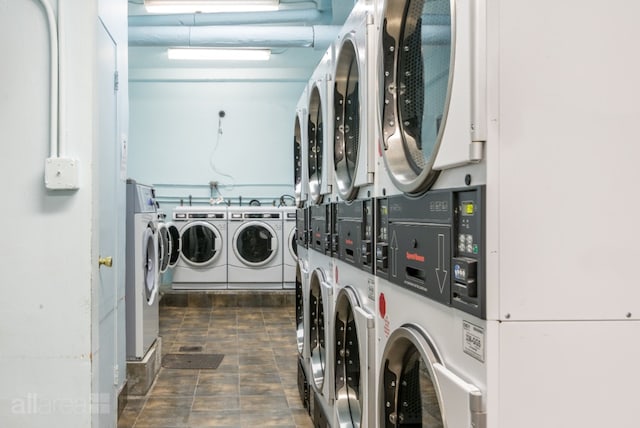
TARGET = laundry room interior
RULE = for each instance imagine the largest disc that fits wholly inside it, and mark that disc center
(319, 213)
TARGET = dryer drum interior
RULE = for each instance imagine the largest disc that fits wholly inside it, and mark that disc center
(199, 243)
(316, 144)
(347, 119)
(150, 259)
(297, 159)
(254, 244)
(416, 76)
(164, 248)
(409, 395)
(347, 360)
(317, 334)
(299, 311)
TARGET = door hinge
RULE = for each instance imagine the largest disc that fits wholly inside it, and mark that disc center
(116, 81)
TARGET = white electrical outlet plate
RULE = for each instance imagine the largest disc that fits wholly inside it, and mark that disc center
(61, 174)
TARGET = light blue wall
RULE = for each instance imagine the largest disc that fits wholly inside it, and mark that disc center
(175, 145)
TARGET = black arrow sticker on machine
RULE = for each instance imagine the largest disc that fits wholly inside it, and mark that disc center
(473, 340)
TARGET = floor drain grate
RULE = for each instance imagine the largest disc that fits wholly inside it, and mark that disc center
(192, 361)
(190, 349)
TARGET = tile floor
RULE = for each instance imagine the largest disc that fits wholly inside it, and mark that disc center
(255, 385)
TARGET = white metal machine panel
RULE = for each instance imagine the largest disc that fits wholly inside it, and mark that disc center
(568, 170)
(568, 374)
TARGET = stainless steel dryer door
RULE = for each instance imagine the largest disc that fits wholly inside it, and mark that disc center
(255, 243)
(200, 243)
(416, 389)
(164, 247)
(316, 144)
(417, 71)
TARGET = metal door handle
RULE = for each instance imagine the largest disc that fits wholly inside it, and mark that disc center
(105, 261)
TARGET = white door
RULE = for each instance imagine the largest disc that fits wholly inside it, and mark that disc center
(105, 318)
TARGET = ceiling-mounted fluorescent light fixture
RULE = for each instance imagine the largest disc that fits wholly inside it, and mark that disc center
(210, 6)
(218, 54)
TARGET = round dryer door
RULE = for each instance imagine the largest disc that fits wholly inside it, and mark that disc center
(416, 78)
(174, 244)
(317, 334)
(297, 160)
(300, 333)
(316, 144)
(150, 264)
(347, 120)
(200, 243)
(255, 243)
(164, 247)
(409, 393)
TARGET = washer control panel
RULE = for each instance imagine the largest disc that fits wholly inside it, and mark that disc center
(434, 245)
(320, 222)
(302, 226)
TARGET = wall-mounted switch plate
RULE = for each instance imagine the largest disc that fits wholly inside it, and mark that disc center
(61, 174)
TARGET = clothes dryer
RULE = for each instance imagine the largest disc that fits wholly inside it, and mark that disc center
(353, 160)
(354, 346)
(321, 296)
(300, 147)
(255, 256)
(320, 130)
(290, 254)
(142, 270)
(203, 248)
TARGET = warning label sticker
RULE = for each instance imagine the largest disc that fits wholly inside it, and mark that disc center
(473, 340)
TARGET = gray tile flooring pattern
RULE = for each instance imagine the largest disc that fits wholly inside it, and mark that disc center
(255, 385)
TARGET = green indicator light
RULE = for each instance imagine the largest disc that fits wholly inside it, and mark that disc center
(475, 248)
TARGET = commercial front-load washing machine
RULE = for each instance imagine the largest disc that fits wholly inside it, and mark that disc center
(488, 128)
(290, 254)
(256, 241)
(320, 130)
(353, 90)
(203, 248)
(141, 270)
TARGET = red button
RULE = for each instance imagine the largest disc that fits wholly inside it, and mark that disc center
(382, 305)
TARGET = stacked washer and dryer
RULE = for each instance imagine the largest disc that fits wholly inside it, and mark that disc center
(468, 280)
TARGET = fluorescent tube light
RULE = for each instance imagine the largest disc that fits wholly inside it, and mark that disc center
(209, 6)
(215, 54)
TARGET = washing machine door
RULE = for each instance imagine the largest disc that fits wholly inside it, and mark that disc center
(200, 243)
(164, 247)
(300, 325)
(255, 243)
(416, 75)
(293, 244)
(347, 120)
(316, 144)
(174, 244)
(150, 264)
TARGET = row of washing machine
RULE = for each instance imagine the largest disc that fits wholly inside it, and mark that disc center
(455, 269)
(235, 247)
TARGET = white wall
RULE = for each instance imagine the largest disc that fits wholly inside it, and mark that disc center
(174, 135)
(47, 252)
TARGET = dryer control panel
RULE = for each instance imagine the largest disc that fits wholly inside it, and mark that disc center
(302, 226)
(354, 228)
(434, 245)
(320, 219)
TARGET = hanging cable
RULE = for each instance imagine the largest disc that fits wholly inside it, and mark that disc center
(221, 115)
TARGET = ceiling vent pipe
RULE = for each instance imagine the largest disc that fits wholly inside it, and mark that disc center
(308, 16)
(318, 36)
